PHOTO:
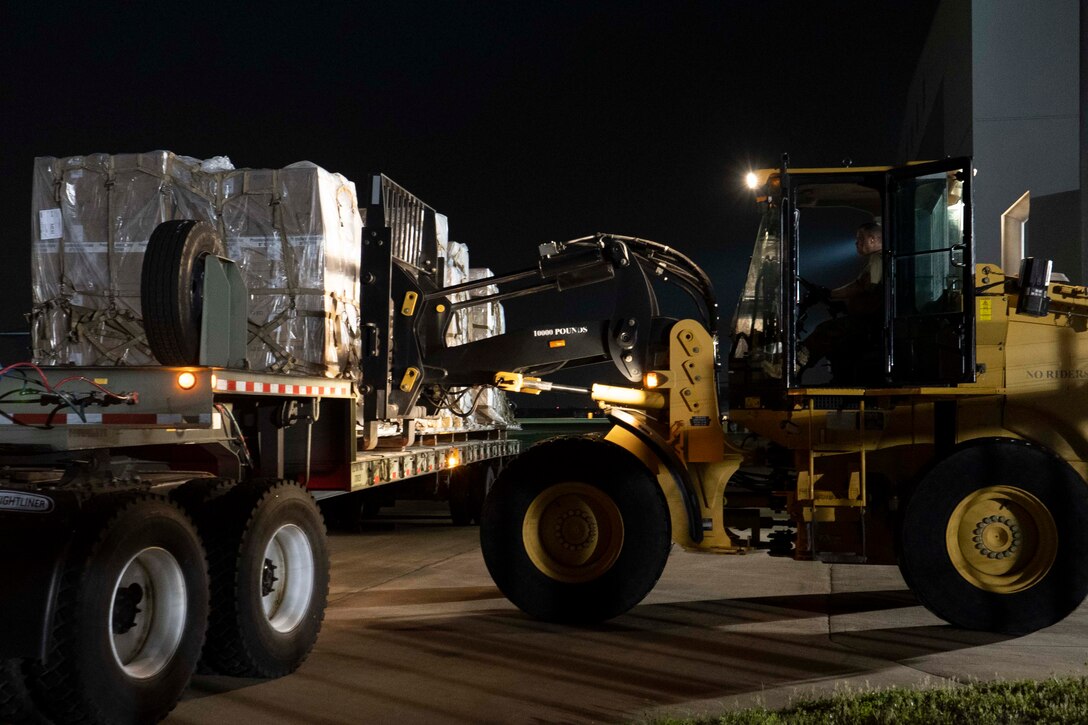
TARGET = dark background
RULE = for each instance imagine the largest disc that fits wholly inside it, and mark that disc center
(522, 121)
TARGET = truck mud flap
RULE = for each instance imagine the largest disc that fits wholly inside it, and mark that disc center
(35, 531)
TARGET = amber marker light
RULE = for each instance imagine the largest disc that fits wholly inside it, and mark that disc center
(453, 458)
(652, 380)
(186, 381)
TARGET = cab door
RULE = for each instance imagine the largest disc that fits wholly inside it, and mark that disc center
(930, 298)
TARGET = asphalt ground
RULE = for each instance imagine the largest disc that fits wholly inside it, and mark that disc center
(416, 632)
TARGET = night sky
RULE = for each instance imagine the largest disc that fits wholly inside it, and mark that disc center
(522, 121)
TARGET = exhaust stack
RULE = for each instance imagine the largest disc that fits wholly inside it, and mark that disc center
(1013, 223)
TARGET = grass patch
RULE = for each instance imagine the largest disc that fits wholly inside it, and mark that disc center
(1056, 700)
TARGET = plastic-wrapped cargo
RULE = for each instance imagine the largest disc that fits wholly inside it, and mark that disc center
(455, 272)
(295, 232)
(476, 408)
(92, 216)
(486, 319)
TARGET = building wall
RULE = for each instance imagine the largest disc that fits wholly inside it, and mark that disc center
(938, 118)
(1000, 80)
(1026, 112)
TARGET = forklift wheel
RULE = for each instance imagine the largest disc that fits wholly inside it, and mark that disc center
(172, 288)
(993, 538)
(269, 568)
(575, 530)
(132, 609)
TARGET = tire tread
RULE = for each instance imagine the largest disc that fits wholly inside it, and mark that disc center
(226, 649)
(57, 687)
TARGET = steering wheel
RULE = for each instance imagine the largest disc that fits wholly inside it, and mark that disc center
(812, 294)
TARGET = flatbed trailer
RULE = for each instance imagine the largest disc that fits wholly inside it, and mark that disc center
(157, 517)
(158, 412)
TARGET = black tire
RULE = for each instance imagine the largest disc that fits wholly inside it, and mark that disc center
(605, 525)
(485, 481)
(132, 611)
(993, 538)
(172, 288)
(195, 495)
(265, 621)
(15, 704)
(369, 509)
(462, 481)
(469, 486)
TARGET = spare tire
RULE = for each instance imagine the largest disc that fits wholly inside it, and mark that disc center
(172, 288)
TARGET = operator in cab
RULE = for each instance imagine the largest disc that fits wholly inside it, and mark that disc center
(844, 337)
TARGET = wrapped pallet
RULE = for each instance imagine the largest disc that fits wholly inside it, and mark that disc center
(455, 272)
(487, 318)
(92, 216)
(295, 232)
(490, 406)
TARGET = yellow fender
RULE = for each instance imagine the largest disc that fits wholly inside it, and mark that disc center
(695, 492)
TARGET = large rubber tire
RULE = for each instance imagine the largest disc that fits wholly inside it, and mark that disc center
(132, 611)
(172, 288)
(460, 489)
(468, 488)
(15, 704)
(196, 495)
(575, 530)
(269, 568)
(994, 538)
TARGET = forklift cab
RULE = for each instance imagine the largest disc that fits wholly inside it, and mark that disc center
(914, 327)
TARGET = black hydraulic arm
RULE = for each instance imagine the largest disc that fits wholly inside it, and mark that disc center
(624, 338)
(408, 309)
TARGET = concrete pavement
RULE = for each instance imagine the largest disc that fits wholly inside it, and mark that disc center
(417, 633)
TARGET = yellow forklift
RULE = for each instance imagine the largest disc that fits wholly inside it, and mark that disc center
(947, 434)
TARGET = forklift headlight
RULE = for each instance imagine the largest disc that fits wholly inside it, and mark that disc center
(751, 180)
(186, 381)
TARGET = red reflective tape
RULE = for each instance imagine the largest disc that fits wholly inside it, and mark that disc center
(251, 386)
(129, 419)
(37, 418)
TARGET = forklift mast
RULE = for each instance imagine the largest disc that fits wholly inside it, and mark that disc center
(406, 313)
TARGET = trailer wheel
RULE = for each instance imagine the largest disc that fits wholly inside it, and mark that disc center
(575, 530)
(460, 486)
(15, 705)
(195, 495)
(172, 288)
(480, 493)
(131, 615)
(270, 579)
(993, 538)
(468, 488)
